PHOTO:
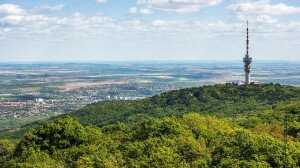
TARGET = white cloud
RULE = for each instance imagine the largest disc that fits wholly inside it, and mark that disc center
(27, 23)
(178, 6)
(14, 15)
(143, 11)
(263, 7)
(265, 19)
(80, 21)
(261, 11)
(100, 1)
(51, 8)
(226, 28)
(159, 23)
(257, 18)
(132, 10)
(38, 21)
(197, 26)
(11, 9)
(11, 20)
(146, 11)
(27, 20)
(6, 30)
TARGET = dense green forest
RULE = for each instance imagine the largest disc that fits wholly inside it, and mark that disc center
(226, 125)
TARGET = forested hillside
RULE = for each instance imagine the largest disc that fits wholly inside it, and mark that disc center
(225, 125)
(228, 100)
(190, 141)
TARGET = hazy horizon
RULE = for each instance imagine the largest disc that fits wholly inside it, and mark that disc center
(142, 61)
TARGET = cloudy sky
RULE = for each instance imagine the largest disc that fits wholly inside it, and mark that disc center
(101, 30)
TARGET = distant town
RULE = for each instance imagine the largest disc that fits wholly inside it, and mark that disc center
(40, 89)
(60, 101)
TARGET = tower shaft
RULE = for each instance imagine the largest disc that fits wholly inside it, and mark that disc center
(247, 60)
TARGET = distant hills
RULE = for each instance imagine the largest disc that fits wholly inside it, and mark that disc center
(210, 126)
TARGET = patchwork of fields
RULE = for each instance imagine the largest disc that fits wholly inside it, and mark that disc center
(41, 90)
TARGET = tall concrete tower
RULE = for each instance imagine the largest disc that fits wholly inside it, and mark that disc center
(247, 60)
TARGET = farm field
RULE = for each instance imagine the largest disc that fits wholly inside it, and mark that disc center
(33, 91)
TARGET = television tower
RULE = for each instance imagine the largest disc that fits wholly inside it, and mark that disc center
(247, 60)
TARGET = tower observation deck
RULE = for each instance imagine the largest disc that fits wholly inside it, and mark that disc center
(247, 60)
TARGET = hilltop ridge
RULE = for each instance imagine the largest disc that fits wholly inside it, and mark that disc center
(224, 100)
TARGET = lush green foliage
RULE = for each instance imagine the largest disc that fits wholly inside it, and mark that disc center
(6, 150)
(190, 141)
(246, 131)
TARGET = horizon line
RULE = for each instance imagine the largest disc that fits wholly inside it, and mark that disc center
(179, 60)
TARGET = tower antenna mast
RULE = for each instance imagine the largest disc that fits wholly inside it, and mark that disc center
(247, 38)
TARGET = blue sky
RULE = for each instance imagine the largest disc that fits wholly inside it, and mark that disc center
(102, 30)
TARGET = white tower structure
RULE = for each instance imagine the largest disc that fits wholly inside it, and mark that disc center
(247, 60)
